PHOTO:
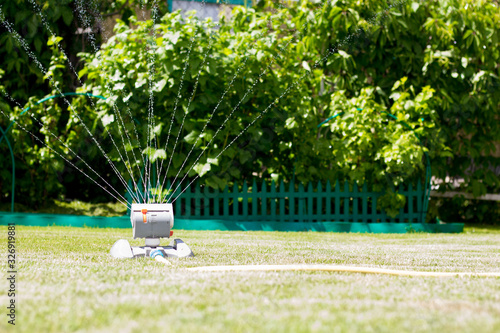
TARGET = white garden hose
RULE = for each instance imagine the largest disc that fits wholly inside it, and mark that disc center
(338, 268)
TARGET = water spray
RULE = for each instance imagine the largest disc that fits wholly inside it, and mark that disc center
(152, 222)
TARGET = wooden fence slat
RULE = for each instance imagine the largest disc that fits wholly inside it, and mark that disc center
(409, 203)
(282, 213)
(207, 205)
(216, 200)
(188, 202)
(236, 202)
(225, 201)
(197, 204)
(319, 203)
(420, 196)
(301, 209)
(364, 203)
(400, 216)
(272, 195)
(263, 203)
(291, 202)
(254, 195)
(355, 202)
(328, 201)
(347, 196)
(244, 199)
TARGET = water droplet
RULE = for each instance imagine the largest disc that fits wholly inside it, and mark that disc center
(484, 47)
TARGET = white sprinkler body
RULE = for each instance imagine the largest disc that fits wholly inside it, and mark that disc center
(152, 220)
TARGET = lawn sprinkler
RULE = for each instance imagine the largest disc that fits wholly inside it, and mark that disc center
(151, 222)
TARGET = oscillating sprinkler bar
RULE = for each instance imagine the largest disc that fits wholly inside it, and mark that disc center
(152, 222)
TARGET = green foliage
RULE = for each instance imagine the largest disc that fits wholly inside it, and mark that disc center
(40, 172)
(465, 210)
(123, 67)
(449, 46)
(431, 65)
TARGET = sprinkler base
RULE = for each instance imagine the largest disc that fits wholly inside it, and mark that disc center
(176, 249)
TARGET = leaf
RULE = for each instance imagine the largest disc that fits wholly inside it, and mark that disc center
(344, 54)
(202, 169)
(214, 161)
(160, 85)
(159, 154)
(54, 40)
(465, 62)
(67, 15)
(467, 34)
(141, 82)
(216, 182)
(245, 156)
(119, 86)
(192, 137)
(107, 119)
(306, 66)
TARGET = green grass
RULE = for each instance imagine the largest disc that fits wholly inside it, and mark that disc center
(68, 283)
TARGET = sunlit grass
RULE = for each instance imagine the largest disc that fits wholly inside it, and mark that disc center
(68, 282)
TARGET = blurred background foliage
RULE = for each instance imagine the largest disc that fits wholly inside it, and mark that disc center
(288, 66)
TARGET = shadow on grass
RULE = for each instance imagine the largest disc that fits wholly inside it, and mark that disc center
(473, 228)
(72, 208)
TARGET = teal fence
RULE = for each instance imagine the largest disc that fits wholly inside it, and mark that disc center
(295, 203)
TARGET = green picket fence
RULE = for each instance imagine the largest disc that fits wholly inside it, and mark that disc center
(295, 203)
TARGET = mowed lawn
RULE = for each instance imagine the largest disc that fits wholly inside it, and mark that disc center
(67, 282)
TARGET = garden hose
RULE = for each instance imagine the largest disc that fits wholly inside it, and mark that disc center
(338, 268)
(159, 256)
